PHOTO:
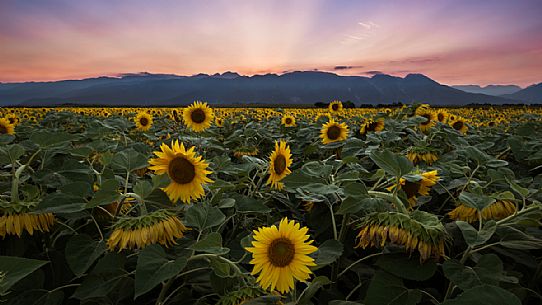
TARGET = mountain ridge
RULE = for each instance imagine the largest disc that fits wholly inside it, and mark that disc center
(495, 90)
(296, 87)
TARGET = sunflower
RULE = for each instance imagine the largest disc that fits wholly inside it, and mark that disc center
(245, 151)
(288, 120)
(219, 122)
(496, 211)
(281, 255)
(335, 107)
(187, 172)
(279, 163)
(420, 231)
(420, 187)
(143, 121)
(460, 125)
(333, 132)
(17, 223)
(158, 227)
(418, 154)
(6, 127)
(372, 126)
(442, 116)
(429, 122)
(198, 116)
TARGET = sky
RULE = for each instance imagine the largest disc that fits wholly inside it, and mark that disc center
(452, 41)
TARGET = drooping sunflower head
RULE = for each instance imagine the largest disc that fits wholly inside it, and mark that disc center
(198, 116)
(279, 164)
(333, 132)
(281, 255)
(6, 127)
(245, 151)
(372, 126)
(418, 154)
(143, 121)
(460, 125)
(335, 106)
(188, 173)
(497, 210)
(288, 120)
(420, 231)
(421, 186)
(17, 223)
(159, 227)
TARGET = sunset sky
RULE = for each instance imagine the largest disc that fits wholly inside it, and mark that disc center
(453, 42)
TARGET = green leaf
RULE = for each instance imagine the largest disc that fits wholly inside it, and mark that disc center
(517, 188)
(339, 302)
(143, 188)
(328, 252)
(11, 153)
(472, 236)
(82, 251)
(212, 243)
(49, 139)
(221, 268)
(129, 160)
(61, 203)
(476, 201)
(484, 295)
(315, 285)
(15, 269)
(462, 276)
(396, 165)
(407, 268)
(386, 289)
(355, 190)
(203, 216)
(247, 204)
(153, 267)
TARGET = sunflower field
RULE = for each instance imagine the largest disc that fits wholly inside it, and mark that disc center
(202, 205)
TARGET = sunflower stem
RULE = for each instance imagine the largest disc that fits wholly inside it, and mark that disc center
(333, 222)
(15, 184)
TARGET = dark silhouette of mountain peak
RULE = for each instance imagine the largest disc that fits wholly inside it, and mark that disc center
(419, 79)
(531, 94)
(227, 75)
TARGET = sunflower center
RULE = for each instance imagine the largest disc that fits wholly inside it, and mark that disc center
(333, 132)
(144, 121)
(427, 119)
(3, 129)
(411, 188)
(440, 117)
(288, 121)
(335, 107)
(372, 126)
(281, 252)
(198, 116)
(279, 164)
(457, 125)
(181, 170)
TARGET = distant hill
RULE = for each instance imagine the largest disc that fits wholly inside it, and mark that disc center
(300, 87)
(494, 90)
(531, 94)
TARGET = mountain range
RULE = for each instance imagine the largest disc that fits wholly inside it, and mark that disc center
(299, 87)
(494, 90)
